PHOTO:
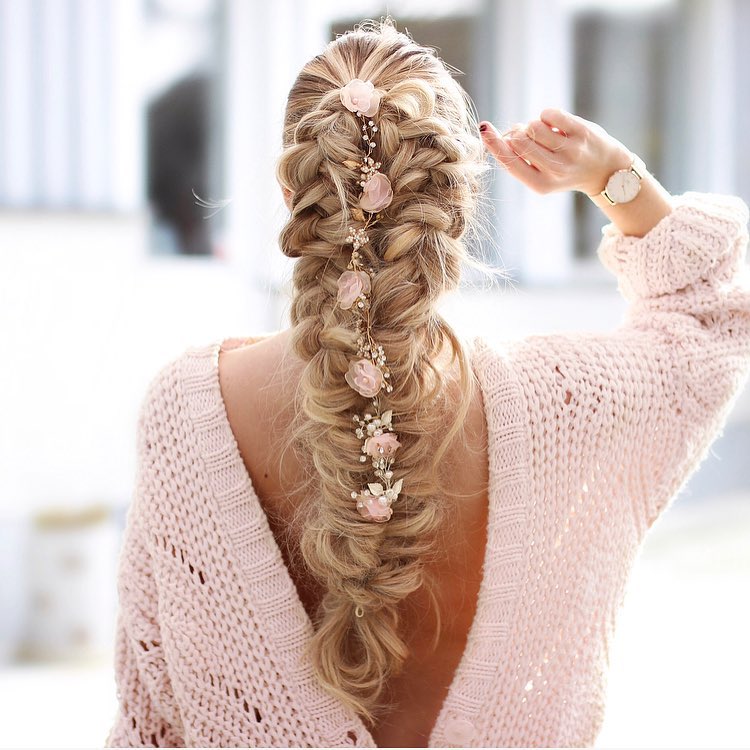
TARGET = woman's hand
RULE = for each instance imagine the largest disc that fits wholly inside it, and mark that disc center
(559, 151)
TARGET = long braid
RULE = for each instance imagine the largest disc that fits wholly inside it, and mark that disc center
(432, 155)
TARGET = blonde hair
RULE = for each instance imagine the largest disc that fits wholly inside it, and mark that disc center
(430, 149)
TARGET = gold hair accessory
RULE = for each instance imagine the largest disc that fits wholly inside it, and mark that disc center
(369, 374)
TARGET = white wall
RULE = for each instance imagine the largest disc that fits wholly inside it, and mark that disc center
(85, 321)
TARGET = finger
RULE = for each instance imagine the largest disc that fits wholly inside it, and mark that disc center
(543, 135)
(559, 118)
(539, 156)
(508, 158)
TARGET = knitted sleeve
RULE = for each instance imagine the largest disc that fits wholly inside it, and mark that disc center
(147, 715)
(630, 414)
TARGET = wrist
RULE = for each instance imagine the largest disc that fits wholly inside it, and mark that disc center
(640, 215)
(623, 185)
(616, 159)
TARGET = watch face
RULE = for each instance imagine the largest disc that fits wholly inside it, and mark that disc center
(623, 186)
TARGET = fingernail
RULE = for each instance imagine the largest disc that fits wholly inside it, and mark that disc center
(483, 127)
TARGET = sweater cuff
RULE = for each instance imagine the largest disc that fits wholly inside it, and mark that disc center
(703, 238)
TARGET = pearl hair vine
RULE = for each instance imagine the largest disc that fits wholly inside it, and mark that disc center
(369, 374)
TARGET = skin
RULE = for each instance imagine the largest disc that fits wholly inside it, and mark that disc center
(287, 193)
(560, 151)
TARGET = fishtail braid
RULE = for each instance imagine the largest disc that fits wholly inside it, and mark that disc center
(430, 150)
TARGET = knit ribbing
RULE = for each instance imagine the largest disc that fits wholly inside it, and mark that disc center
(271, 591)
(475, 680)
(590, 437)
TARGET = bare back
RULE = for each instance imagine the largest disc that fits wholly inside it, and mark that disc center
(258, 404)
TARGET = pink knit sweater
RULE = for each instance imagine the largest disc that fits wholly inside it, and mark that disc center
(591, 436)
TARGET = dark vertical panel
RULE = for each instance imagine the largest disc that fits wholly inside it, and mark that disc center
(587, 52)
(177, 135)
(182, 153)
(672, 168)
(622, 81)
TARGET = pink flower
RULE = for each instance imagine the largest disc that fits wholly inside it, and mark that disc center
(374, 508)
(360, 96)
(377, 194)
(365, 377)
(351, 285)
(388, 441)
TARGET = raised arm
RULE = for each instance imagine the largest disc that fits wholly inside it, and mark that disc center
(561, 151)
(633, 412)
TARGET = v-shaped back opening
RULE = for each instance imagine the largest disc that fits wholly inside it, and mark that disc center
(270, 583)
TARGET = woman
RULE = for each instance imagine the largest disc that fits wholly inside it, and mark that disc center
(364, 530)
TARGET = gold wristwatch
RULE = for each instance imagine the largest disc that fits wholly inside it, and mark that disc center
(624, 184)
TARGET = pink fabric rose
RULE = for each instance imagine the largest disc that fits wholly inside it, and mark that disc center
(365, 377)
(351, 285)
(388, 441)
(372, 508)
(360, 96)
(377, 194)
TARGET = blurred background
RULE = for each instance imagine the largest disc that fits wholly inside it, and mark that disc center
(139, 214)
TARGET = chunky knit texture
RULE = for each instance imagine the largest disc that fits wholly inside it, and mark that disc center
(591, 436)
